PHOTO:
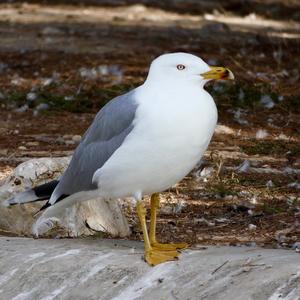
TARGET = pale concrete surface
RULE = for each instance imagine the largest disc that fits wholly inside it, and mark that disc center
(113, 269)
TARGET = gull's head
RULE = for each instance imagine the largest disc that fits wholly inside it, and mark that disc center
(176, 68)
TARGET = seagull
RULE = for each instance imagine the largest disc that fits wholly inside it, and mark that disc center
(140, 143)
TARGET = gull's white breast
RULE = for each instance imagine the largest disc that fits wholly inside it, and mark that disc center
(172, 130)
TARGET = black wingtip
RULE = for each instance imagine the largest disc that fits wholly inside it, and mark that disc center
(47, 204)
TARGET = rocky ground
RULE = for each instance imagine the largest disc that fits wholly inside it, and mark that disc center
(60, 62)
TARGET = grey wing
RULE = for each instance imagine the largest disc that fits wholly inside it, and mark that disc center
(105, 135)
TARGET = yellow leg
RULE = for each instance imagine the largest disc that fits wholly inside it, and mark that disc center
(152, 239)
(152, 256)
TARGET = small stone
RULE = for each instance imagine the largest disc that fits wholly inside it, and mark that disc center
(296, 247)
(22, 109)
(76, 138)
(295, 185)
(42, 106)
(179, 206)
(261, 134)
(203, 221)
(69, 98)
(206, 172)
(47, 81)
(221, 220)
(241, 95)
(252, 227)
(22, 148)
(31, 96)
(282, 136)
(244, 167)
(270, 184)
(267, 101)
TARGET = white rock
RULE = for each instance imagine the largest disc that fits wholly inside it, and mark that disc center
(22, 148)
(270, 184)
(223, 129)
(252, 227)
(295, 185)
(241, 95)
(238, 117)
(69, 98)
(98, 214)
(21, 109)
(282, 136)
(206, 172)
(261, 134)
(76, 138)
(31, 96)
(244, 167)
(47, 81)
(267, 101)
(42, 106)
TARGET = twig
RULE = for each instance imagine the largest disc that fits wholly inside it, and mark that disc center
(218, 268)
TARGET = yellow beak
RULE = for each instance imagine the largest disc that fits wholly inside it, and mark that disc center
(218, 73)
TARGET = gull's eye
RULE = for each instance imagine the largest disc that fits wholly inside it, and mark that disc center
(180, 67)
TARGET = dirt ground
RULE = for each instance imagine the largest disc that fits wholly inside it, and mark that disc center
(60, 62)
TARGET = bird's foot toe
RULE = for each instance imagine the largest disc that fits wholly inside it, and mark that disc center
(169, 247)
(154, 256)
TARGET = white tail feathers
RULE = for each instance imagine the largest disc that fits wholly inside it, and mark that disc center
(50, 217)
(42, 225)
